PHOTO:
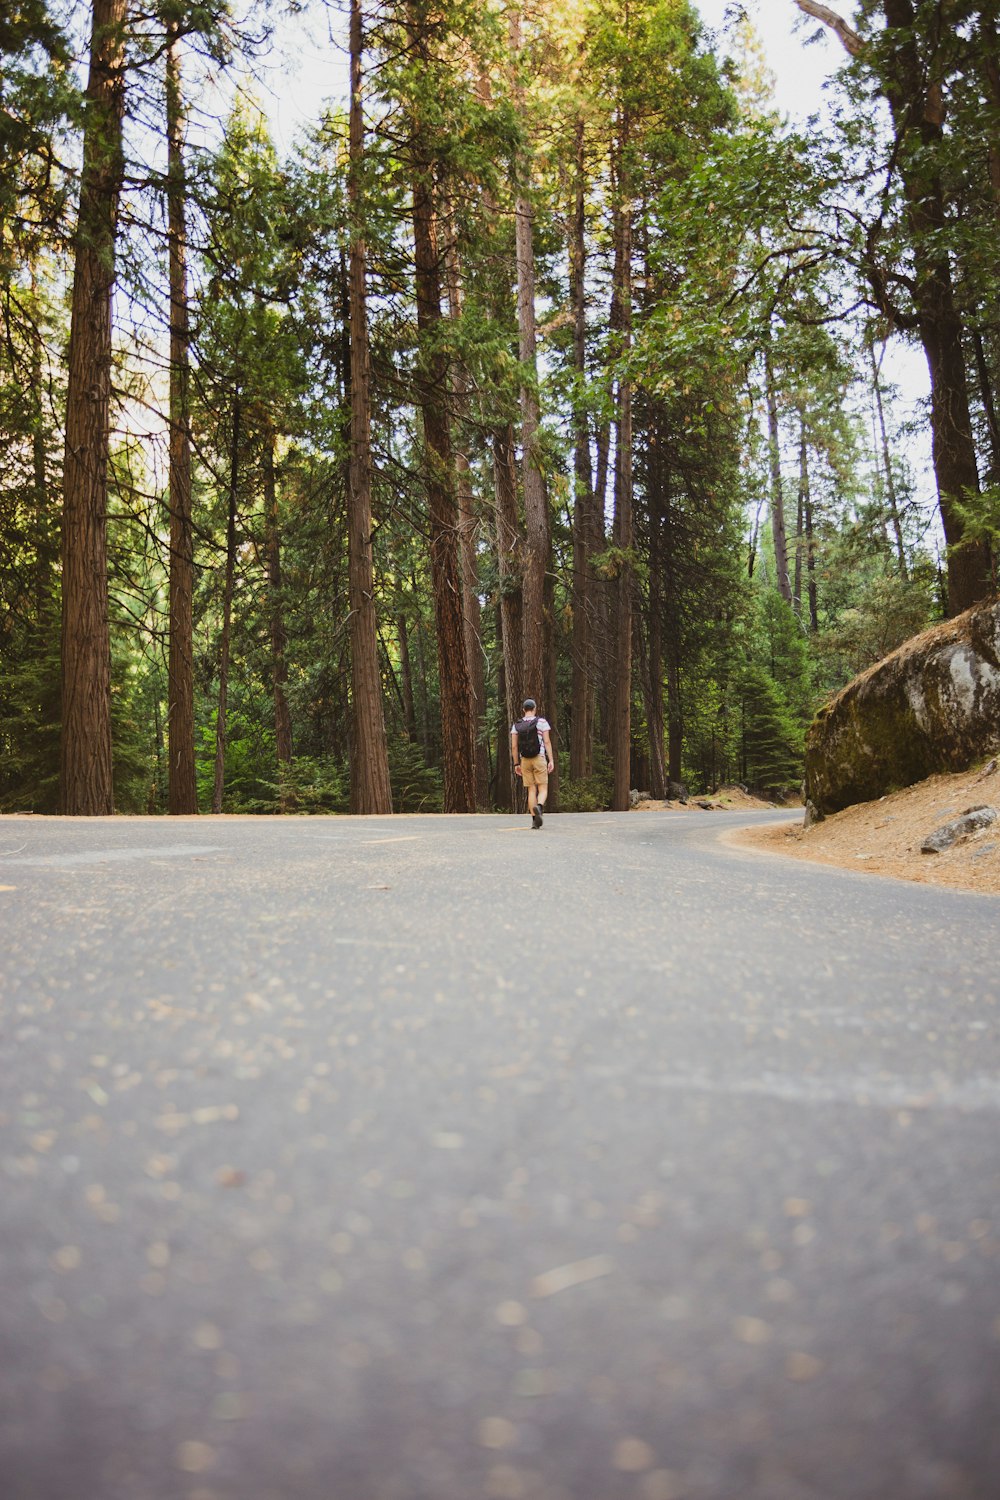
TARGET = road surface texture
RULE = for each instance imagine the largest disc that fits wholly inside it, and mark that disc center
(439, 1159)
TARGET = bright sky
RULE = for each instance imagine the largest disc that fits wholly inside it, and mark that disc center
(800, 70)
(307, 64)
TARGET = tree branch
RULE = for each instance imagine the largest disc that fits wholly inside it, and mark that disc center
(849, 37)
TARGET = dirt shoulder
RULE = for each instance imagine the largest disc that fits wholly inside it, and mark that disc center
(726, 799)
(884, 837)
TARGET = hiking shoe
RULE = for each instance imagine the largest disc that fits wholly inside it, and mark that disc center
(536, 818)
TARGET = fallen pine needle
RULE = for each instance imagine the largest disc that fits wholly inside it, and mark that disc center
(561, 1278)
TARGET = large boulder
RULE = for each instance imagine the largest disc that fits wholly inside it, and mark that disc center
(933, 705)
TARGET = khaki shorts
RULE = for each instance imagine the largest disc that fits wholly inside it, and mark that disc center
(535, 772)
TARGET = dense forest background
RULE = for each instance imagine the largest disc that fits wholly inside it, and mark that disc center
(549, 361)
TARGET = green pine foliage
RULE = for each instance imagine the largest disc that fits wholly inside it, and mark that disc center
(29, 715)
(770, 734)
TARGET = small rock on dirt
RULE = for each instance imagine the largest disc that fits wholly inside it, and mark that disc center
(972, 821)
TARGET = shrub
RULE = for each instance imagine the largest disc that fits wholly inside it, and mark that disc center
(313, 784)
(416, 787)
(584, 793)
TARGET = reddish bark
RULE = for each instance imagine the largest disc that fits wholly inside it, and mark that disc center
(582, 688)
(620, 727)
(279, 635)
(182, 793)
(85, 750)
(370, 790)
(439, 478)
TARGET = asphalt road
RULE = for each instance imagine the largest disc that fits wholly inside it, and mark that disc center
(438, 1159)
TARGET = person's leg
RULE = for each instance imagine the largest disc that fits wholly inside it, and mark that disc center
(528, 778)
(533, 777)
(539, 777)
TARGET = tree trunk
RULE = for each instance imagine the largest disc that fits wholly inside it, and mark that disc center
(457, 716)
(509, 568)
(955, 465)
(279, 636)
(675, 711)
(536, 530)
(797, 572)
(603, 456)
(989, 405)
(535, 562)
(46, 543)
(457, 724)
(218, 790)
(988, 52)
(582, 686)
(654, 648)
(800, 512)
(777, 495)
(370, 792)
(601, 589)
(182, 794)
(471, 613)
(550, 661)
(811, 564)
(472, 618)
(672, 638)
(406, 676)
(504, 789)
(890, 482)
(620, 729)
(752, 544)
(423, 693)
(86, 784)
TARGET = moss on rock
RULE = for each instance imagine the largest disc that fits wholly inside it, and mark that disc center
(933, 705)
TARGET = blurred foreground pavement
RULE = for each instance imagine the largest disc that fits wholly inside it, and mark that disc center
(437, 1159)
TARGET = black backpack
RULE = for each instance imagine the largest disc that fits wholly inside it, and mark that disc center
(528, 739)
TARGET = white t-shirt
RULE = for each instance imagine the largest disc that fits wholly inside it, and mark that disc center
(541, 724)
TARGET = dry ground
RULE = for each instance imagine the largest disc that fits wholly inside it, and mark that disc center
(728, 798)
(884, 837)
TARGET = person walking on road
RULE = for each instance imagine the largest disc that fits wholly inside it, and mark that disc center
(531, 752)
